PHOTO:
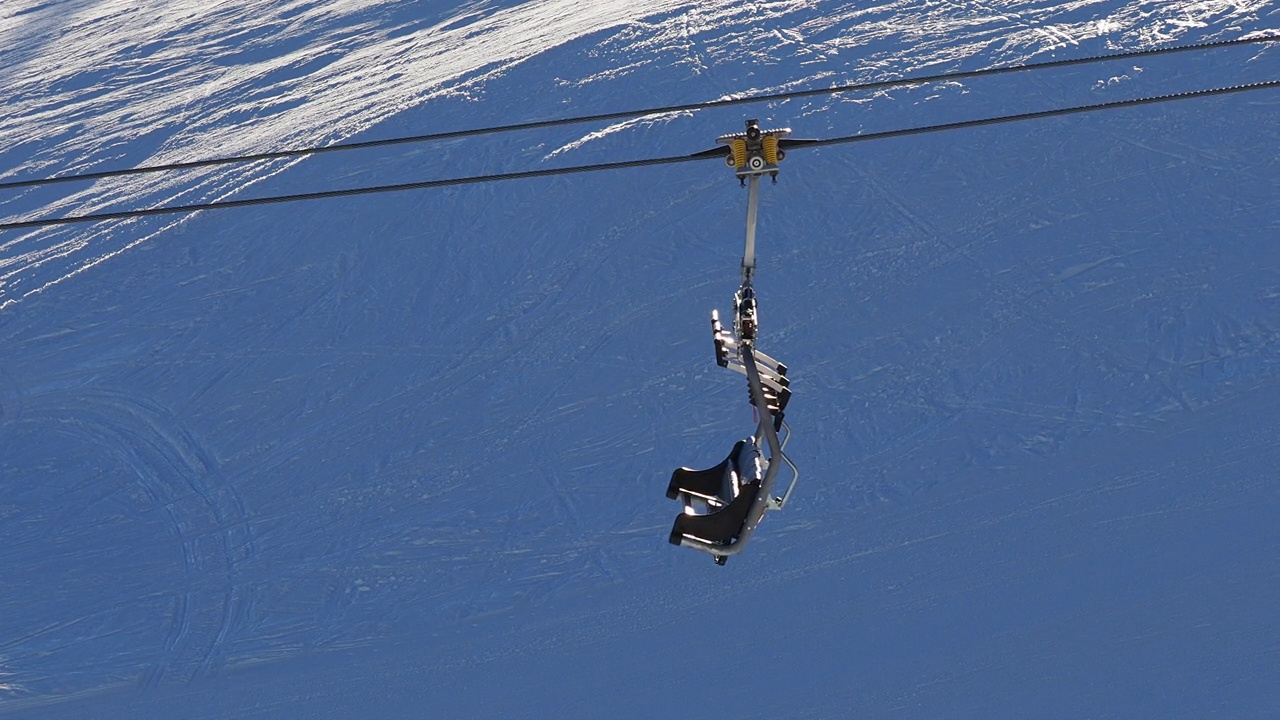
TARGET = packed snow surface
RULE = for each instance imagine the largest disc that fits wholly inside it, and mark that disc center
(404, 455)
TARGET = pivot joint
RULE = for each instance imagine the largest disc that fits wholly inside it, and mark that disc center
(754, 152)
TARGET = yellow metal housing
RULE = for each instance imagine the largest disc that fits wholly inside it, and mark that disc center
(771, 149)
(739, 149)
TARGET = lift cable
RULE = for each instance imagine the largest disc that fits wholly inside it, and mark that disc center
(718, 152)
(1043, 114)
(790, 95)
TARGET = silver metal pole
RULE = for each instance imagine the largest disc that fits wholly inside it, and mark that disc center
(753, 201)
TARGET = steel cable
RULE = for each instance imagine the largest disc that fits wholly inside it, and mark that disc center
(574, 169)
(537, 124)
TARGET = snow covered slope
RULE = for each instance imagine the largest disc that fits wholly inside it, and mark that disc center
(403, 455)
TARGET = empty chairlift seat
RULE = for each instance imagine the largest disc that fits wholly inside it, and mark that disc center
(717, 500)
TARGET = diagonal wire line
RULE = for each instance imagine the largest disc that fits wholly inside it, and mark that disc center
(372, 190)
(574, 169)
(1041, 114)
(537, 124)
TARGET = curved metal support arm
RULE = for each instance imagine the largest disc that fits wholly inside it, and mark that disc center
(777, 503)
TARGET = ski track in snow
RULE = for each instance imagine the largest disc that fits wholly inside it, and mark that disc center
(303, 446)
(162, 470)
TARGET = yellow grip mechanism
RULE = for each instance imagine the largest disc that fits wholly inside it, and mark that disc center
(771, 149)
(739, 150)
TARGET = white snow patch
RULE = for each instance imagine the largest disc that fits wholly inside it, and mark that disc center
(646, 121)
(249, 76)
